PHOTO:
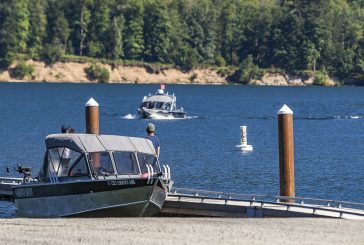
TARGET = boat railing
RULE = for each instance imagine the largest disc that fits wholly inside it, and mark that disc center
(166, 172)
(253, 198)
(10, 180)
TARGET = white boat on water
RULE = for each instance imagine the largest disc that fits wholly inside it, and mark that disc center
(160, 105)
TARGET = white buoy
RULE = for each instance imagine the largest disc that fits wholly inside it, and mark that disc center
(244, 141)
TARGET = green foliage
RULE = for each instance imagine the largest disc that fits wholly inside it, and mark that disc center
(58, 30)
(37, 28)
(14, 30)
(22, 70)
(95, 49)
(285, 35)
(7, 60)
(220, 61)
(133, 33)
(249, 71)
(116, 38)
(52, 53)
(156, 31)
(97, 72)
(225, 71)
(321, 78)
(99, 27)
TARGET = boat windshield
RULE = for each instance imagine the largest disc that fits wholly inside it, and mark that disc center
(60, 160)
(126, 163)
(101, 163)
(156, 105)
(145, 159)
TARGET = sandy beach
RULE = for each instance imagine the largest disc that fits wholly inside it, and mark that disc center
(181, 231)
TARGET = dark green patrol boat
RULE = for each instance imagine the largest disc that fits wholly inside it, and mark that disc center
(97, 176)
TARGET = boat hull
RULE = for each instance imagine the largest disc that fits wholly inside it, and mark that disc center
(159, 114)
(135, 201)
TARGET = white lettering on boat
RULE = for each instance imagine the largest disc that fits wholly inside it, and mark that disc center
(24, 192)
(121, 182)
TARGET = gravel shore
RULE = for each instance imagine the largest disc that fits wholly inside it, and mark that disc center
(181, 231)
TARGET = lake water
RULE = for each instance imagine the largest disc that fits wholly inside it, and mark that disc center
(328, 132)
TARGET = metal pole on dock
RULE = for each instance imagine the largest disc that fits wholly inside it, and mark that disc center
(286, 151)
(92, 117)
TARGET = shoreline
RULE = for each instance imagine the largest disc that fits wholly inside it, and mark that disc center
(181, 231)
(74, 72)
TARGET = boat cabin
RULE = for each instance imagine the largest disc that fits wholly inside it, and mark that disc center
(161, 102)
(87, 156)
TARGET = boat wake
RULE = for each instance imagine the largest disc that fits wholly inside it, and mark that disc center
(173, 118)
(130, 116)
(318, 117)
(339, 117)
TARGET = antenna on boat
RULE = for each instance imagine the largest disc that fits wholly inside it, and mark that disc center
(244, 147)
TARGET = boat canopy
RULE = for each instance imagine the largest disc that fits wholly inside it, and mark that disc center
(99, 143)
(159, 98)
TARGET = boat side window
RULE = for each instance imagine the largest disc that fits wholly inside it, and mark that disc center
(126, 163)
(145, 159)
(158, 105)
(79, 169)
(166, 106)
(60, 160)
(101, 163)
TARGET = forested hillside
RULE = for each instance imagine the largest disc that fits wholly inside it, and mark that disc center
(291, 35)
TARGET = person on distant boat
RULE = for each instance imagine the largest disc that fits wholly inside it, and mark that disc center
(151, 136)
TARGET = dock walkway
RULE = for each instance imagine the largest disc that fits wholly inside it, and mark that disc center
(190, 202)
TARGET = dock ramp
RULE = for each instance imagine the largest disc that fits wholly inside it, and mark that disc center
(191, 202)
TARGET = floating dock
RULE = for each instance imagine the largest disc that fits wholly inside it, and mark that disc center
(190, 202)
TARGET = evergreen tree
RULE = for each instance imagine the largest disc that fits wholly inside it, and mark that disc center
(58, 30)
(116, 38)
(133, 44)
(156, 31)
(79, 16)
(287, 34)
(99, 27)
(14, 29)
(37, 28)
(180, 52)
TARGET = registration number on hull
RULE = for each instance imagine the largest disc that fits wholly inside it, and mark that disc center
(24, 192)
(121, 182)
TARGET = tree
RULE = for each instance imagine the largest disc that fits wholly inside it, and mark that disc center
(37, 27)
(227, 20)
(58, 30)
(133, 44)
(156, 31)
(116, 38)
(78, 14)
(99, 27)
(14, 29)
(287, 41)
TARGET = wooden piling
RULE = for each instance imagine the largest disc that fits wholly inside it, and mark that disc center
(92, 117)
(286, 151)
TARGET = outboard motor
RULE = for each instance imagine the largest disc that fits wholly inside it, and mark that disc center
(26, 171)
